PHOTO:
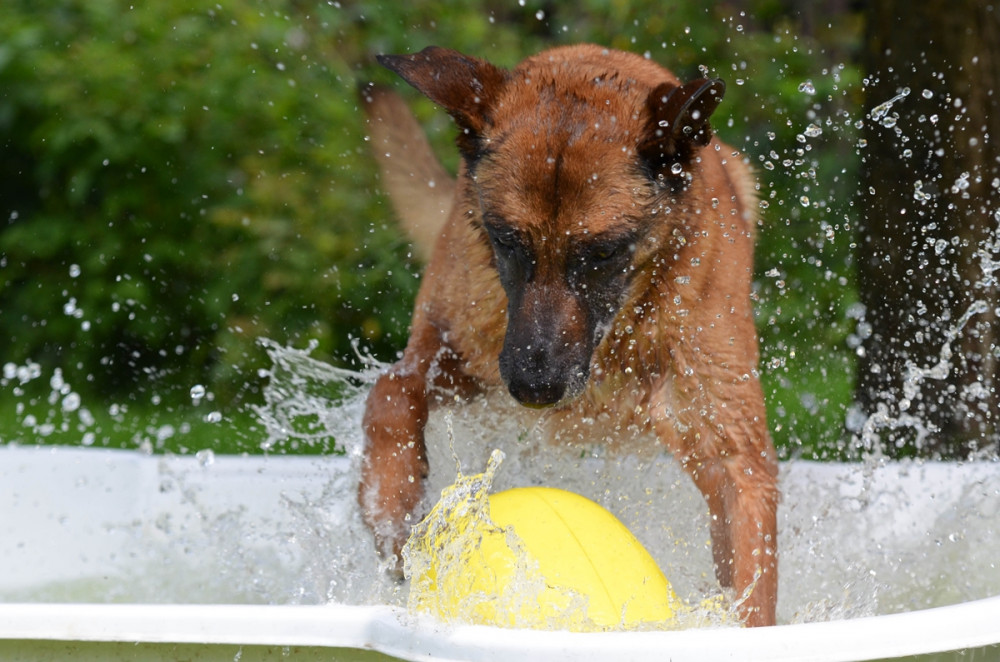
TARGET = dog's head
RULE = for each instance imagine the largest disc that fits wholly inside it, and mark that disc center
(574, 162)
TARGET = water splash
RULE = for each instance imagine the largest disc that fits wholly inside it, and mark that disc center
(448, 555)
(914, 376)
(880, 112)
(854, 541)
(309, 404)
(464, 568)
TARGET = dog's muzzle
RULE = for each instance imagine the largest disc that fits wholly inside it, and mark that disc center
(539, 376)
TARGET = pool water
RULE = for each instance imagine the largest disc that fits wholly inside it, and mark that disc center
(855, 539)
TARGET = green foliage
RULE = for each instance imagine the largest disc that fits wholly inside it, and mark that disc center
(161, 429)
(181, 182)
(178, 180)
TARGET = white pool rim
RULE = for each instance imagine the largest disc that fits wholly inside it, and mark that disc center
(391, 631)
(39, 544)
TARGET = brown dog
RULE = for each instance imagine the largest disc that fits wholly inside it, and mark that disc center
(596, 260)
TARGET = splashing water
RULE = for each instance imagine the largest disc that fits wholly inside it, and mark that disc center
(465, 568)
(880, 113)
(854, 540)
(447, 555)
(914, 377)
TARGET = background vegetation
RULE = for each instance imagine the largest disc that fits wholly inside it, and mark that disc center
(179, 180)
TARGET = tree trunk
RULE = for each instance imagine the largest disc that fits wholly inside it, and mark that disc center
(928, 252)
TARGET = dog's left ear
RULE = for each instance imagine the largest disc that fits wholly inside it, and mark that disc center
(466, 87)
(678, 122)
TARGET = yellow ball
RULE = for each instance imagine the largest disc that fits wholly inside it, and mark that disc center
(570, 565)
(582, 547)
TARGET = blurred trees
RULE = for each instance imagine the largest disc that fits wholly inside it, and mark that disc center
(178, 180)
(928, 240)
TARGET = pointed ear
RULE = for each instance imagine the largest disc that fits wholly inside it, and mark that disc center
(678, 122)
(465, 86)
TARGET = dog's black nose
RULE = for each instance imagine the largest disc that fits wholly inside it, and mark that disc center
(536, 394)
(534, 373)
(545, 359)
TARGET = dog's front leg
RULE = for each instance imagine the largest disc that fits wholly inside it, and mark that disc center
(727, 451)
(742, 497)
(750, 500)
(394, 465)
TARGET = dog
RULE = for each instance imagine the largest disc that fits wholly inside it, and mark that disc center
(593, 257)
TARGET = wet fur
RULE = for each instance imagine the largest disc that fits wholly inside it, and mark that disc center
(596, 260)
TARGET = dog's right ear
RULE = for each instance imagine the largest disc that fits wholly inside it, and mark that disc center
(465, 86)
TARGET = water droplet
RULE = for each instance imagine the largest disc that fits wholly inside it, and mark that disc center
(676, 168)
(205, 457)
(927, 94)
(69, 308)
(197, 393)
(804, 201)
(807, 87)
(961, 184)
(880, 110)
(71, 402)
(813, 130)
(57, 383)
(213, 417)
(74, 270)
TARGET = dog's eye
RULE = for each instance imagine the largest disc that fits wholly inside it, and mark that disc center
(504, 244)
(504, 241)
(609, 253)
(605, 253)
